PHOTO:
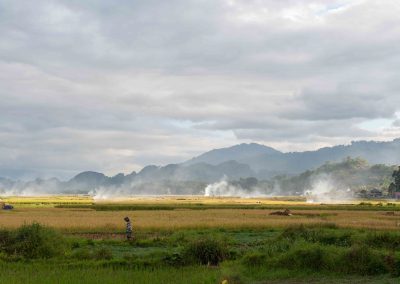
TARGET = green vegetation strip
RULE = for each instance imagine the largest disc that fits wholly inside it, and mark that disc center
(122, 207)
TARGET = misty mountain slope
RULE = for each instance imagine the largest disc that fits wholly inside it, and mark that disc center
(238, 153)
(89, 178)
(296, 162)
(195, 172)
(268, 162)
(258, 161)
(354, 174)
(211, 173)
(85, 181)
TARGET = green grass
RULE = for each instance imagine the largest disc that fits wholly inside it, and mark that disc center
(42, 273)
(50, 273)
(319, 253)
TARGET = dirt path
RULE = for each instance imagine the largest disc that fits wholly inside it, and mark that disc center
(99, 236)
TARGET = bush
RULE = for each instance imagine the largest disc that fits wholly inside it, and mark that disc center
(360, 259)
(275, 247)
(6, 239)
(174, 259)
(307, 256)
(318, 234)
(396, 265)
(82, 254)
(254, 259)
(206, 251)
(389, 240)
(103, 254)
(32, 241)
(99, 254)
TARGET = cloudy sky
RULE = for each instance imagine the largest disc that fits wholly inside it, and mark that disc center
(112, 86)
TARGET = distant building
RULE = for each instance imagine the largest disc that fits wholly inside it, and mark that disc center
(397, 195)
(375, 193)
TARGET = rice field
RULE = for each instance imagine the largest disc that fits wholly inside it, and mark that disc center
(42, 210)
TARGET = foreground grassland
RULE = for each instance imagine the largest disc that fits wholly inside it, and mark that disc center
(300, 254)
(198, 240)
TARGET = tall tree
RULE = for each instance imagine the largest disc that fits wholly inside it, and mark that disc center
(396, 184)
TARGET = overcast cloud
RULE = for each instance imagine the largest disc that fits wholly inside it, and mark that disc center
(112, 86)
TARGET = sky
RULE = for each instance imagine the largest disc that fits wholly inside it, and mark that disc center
(112, 86)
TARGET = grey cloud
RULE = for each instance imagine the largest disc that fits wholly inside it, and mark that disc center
(99, 86)
(345, 103)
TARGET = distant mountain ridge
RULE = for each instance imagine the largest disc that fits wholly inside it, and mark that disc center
(268, 161)
(232, 163)
(238, 153)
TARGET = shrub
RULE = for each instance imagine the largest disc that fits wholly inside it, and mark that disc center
(254, 259)
(82, 254)
(390, 240)
(6, 240)
(275, 247)
(304, 256)
(99, 254)
(396, 265)
(36, 241)
(360, 259)
(206, 251)
(103, 254)
(174, 259)
(318, 234)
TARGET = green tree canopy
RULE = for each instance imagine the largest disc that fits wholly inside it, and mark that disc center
(396, 177)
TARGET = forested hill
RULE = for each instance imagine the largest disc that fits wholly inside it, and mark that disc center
(291, 171)
(268, 162)
(355, 175)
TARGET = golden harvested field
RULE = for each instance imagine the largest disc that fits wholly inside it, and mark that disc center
(167, 200)
(108, 221)
(40, 201)
(41, 209)
(46, 201)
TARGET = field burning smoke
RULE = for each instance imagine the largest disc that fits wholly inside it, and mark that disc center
(326, 190)
(225, 188)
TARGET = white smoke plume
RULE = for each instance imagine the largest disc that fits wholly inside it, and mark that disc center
(37, 187)
(324, 189)
(103, 193)
(223, 188)
(129, 190)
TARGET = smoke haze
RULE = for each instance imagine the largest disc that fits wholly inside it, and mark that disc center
(324, 189)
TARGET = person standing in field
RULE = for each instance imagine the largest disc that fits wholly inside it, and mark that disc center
(128, 228)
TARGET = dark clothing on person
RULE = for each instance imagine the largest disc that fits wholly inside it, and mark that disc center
(128, 228)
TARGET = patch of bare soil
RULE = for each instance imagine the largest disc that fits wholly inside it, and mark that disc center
(100, 236)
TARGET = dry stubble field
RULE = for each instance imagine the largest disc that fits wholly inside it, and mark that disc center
(41, 209)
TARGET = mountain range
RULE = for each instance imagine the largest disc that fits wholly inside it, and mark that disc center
(232, 163)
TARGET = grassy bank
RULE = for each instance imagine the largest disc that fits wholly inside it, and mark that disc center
(319, 253)
(48, 274)
(34, 273)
